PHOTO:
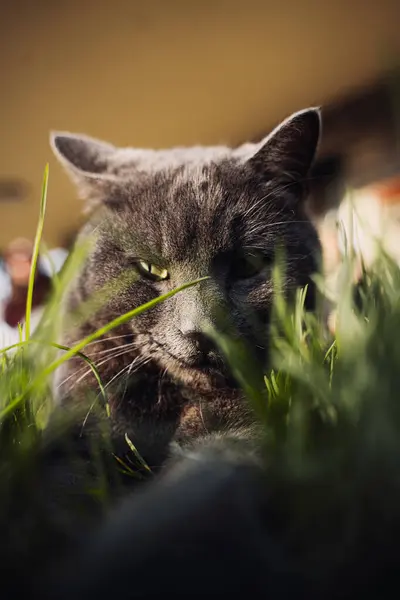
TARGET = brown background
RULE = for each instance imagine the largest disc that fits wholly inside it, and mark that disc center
(158, 73)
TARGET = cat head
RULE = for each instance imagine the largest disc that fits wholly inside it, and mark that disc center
(171, 216)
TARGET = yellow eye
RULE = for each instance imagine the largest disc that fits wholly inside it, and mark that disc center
(152, 271)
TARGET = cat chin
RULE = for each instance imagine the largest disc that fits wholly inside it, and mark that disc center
(203, 380)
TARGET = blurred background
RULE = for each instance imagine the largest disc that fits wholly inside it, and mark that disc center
(159, 73)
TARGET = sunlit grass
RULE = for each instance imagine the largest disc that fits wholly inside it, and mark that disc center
(35, 255)
(26, 367)
(328, 405)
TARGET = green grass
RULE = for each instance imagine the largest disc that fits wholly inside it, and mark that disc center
(307, 367)
(329, 406)
(36, 381)
(35, 256)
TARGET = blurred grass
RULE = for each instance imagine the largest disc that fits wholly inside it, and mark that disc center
(329, 405)
(309, 365)
(26, 368)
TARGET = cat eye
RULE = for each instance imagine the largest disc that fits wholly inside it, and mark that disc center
(248, 265)
(152, 271)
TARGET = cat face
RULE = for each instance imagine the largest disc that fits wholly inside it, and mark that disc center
(169, 217)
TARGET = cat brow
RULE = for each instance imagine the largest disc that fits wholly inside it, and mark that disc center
(144, 251)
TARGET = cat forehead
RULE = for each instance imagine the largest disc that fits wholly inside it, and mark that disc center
(126, 161)
(194, 187)
(194, 210)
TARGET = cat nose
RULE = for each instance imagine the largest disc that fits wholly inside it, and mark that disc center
(201, 342)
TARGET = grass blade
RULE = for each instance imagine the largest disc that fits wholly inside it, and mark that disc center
(36, 250)
(75, 350)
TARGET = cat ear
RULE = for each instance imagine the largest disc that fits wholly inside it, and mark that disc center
(86, 160)
(81, 154)
(288, 152)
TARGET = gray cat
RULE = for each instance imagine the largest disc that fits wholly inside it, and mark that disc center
(167, 217)
(212, 523)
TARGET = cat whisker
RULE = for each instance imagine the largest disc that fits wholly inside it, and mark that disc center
(138, 362)
(116, 351)
(163, 374)
(202, 416)
(120, 372)
(264, 198)
(109, 339)
(129, 373)
(89, 370)
(106, 360)
(113, 352)
(114, 348)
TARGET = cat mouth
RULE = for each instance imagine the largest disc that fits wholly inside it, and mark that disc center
(205, 372)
